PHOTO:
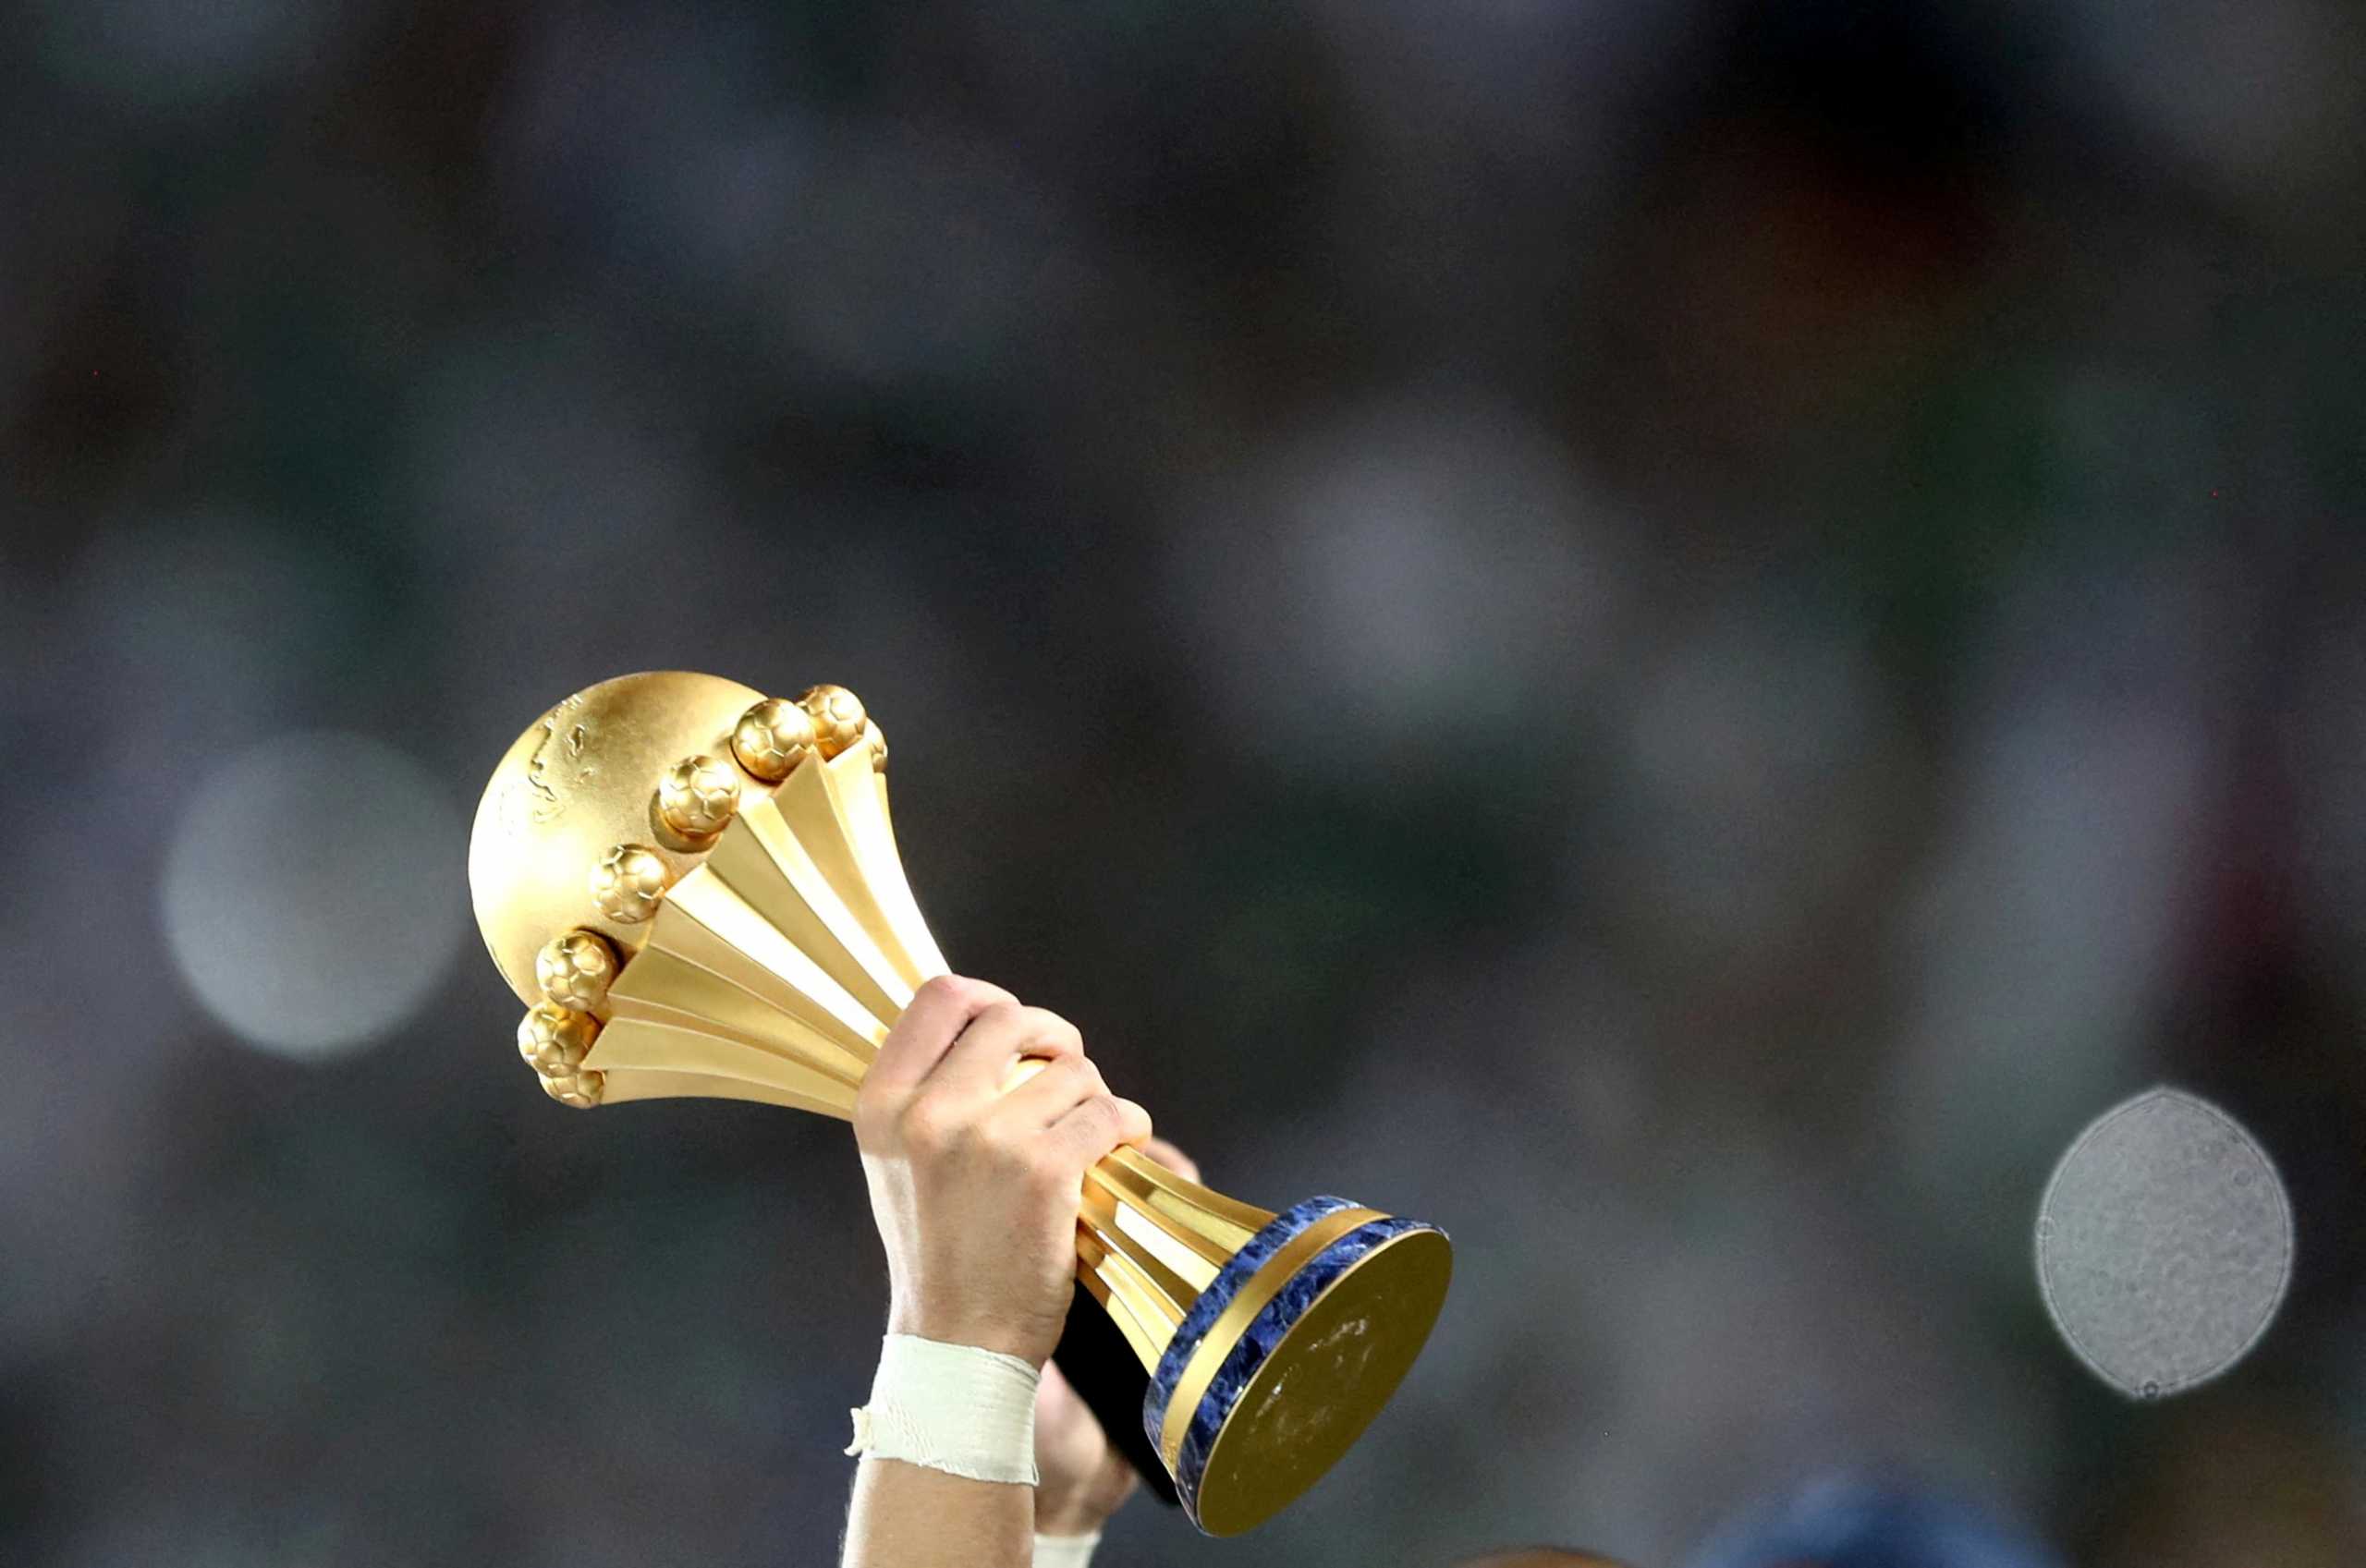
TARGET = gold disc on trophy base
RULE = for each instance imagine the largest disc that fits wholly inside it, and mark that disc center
(1317, 1391)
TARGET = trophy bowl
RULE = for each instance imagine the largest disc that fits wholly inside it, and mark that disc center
(695, 890)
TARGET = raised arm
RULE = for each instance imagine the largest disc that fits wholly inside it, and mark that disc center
(974, 1183)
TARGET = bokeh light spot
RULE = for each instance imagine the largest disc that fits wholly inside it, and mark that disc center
(2164, 1244)
(311, 891)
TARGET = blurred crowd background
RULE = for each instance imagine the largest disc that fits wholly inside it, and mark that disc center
(1678, 634)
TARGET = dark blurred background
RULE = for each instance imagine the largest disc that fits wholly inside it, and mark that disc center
(1680, 635)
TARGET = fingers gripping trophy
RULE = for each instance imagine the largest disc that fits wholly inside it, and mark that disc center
(695, 888)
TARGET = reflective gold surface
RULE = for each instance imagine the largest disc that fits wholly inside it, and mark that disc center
(698, 795)
(582, 778)
(580, 1090)
(553, 1039)
(772, 737)
(699, 889)
(628, 882)
(575, 969)
(837, 717)
(1322, 1386)
(1200, 1370)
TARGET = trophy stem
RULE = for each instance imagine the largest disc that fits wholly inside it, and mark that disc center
(1149, 1241)
(697, 892)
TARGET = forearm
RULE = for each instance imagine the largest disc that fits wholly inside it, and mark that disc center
(906, 1516)
(947, 1447)
(975, 1180)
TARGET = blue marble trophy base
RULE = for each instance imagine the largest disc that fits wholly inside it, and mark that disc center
(1338, 1300)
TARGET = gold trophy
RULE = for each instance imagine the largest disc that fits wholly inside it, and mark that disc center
(696, 891)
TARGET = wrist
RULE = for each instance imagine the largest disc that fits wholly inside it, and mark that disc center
(952, 1407)
(949, 1324)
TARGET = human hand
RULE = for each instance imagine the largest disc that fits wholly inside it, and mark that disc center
(1084, 1479)
(975, 1186)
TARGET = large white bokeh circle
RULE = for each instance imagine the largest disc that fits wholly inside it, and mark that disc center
(311, 893)
(2164, 1244)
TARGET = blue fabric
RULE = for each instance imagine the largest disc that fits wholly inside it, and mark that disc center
(1857, 1522)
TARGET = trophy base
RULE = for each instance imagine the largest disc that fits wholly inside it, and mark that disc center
(1288, 1356)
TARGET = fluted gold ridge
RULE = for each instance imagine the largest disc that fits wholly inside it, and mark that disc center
(696, 890)
(771, 968)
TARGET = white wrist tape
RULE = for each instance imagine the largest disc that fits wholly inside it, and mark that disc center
(1064, 1551)
(951, 1407)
